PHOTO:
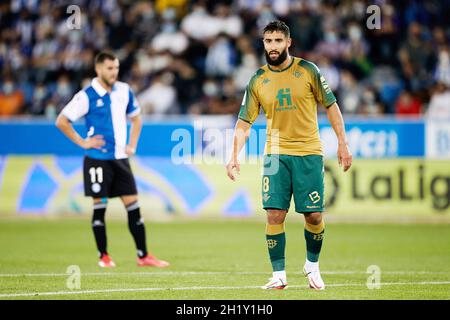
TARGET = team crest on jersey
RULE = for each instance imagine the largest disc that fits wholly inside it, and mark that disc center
(100, 103)
(266, 80)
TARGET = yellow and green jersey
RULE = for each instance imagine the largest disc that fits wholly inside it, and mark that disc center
(289, 99)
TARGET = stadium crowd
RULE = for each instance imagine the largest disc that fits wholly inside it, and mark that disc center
(195, 57)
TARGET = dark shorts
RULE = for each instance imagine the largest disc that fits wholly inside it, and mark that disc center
(299, 176)
(108, 178)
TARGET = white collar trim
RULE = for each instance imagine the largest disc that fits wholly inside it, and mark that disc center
(98, 87)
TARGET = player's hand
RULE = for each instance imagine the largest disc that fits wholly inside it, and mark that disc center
(130, 151)
(233, 165)
(345, 157)
(94, 142)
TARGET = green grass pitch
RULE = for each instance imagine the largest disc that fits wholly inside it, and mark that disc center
(221, 260)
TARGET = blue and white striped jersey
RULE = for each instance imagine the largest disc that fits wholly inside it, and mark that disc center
(105, 114)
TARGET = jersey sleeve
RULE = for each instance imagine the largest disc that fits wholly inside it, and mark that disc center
(77, 107)
(321, 89)
(133, 108)
(250, 105)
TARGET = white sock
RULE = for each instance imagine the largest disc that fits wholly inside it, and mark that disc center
(311, 265)
(279, 274)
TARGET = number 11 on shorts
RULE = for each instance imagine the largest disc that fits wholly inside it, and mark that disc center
(96, 174)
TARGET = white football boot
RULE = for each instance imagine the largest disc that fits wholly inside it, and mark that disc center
(276, 284)
(312, 273)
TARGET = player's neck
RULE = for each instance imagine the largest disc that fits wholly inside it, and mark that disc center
(104, 85)
(284, 65)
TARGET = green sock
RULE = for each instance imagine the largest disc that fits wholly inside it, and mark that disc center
(276, 243)
(314, 238)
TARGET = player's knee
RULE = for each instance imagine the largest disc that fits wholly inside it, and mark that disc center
(276, 216)
(128, 200)
(314, 218)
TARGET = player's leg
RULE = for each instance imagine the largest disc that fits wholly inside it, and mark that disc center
(276, 244)
(99, 229)
(135, 223)
(308, 196)
(124, 185)
(97, 179)
(314, 232)
(276, 194)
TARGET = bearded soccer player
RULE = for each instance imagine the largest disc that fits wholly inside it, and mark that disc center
(106, 104)
(288, 88)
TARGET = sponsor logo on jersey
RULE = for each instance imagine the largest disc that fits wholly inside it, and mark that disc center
(285, 100)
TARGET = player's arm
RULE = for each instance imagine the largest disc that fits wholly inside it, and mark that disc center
(135, 132)
(325, 96)
(75, 109)
(240, 136)
(337, 122)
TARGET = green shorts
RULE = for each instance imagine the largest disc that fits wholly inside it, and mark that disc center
(301, 176)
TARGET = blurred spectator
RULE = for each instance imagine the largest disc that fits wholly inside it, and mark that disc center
(442, 73)
(355, 51)
(11, 99)
(439, 107)
(227, 21)
(248, 63)
(350, 92)
(415, 58)
(221, 57)
(407, 104)
(62, 93)
(329, 71)
(199, 24)
(370, 104)
(187, 84)
(40, 96)
(221, 97)
(161, 97)
(170, 39)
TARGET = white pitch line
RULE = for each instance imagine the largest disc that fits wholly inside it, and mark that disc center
(187, 273)
(59, 293)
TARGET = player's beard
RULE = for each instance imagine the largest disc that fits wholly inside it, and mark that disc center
(279, 60)
(108, 82)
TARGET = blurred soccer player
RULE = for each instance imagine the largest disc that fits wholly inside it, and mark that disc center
(287, 89)
(106, 104)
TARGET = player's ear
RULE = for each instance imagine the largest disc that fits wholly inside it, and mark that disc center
(289, 42)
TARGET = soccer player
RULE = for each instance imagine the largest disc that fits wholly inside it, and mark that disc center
(288, 88)
(105, 105)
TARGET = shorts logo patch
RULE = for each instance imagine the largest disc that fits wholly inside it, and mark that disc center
(95, 187)
(271, 243)
(266, 197)
(314, 196)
